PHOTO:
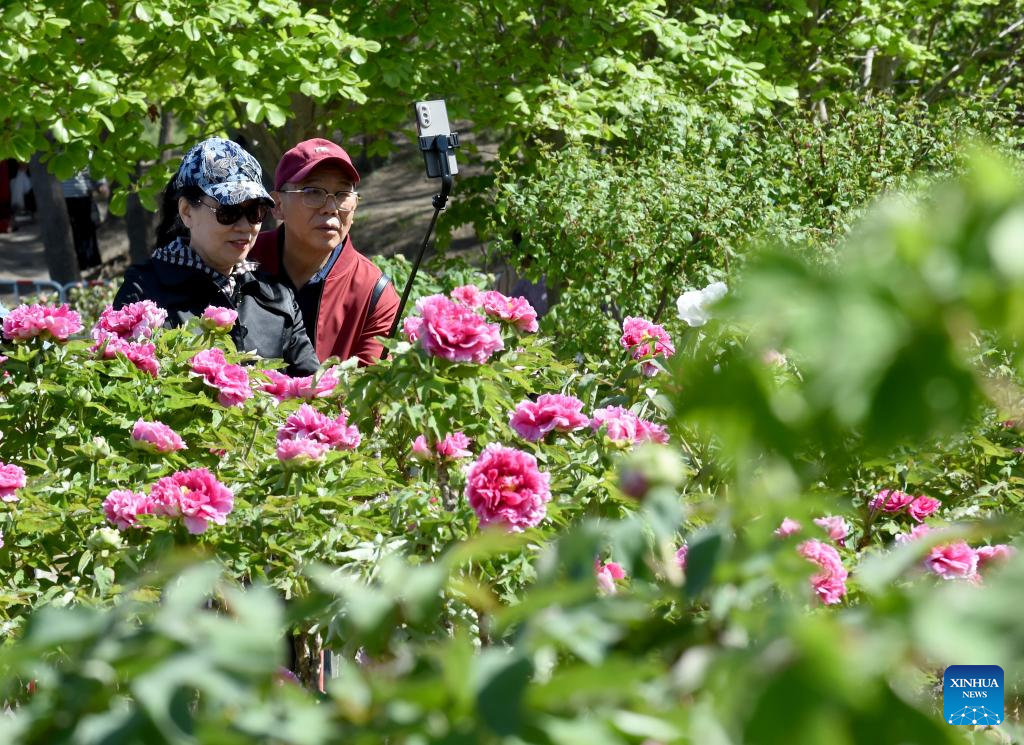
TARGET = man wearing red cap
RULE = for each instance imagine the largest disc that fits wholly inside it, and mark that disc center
(346, 301)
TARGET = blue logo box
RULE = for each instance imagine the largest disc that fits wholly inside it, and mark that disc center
(973, 694)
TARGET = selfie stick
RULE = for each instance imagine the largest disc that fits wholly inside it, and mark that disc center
(442, 146)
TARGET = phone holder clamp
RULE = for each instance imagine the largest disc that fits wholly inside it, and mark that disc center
(444, 145)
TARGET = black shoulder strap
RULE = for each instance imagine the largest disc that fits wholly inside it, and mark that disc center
(378, 290)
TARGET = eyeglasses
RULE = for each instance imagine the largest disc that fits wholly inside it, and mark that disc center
(315, 198)
(229, 214)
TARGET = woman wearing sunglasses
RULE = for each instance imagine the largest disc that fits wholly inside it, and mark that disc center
(211, 214)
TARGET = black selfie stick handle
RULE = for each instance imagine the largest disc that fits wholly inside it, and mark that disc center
(440, 200)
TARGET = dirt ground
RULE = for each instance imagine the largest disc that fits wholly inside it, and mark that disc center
(392, 218)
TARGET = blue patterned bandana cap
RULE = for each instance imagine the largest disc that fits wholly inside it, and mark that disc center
(224, 171)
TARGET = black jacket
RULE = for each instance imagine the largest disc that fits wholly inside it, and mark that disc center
(269, 321)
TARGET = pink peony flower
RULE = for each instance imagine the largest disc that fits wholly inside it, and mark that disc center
(681, 553)
(607, 573)
(156, 437)
(301, 450)
(420, 449)
(468, 295)
(994, 554)
(232, 384)
(309, 424)
(953, 560)
(231, 381)
(283, 386)
(142, 355)
(829, 584)
(836, 527)
(645, 339)
(788, 527)
(830, 588)
(12, 478)
(922, 507)
(27, 321)
(133, 322)
(890, 500)
(454, 446)
(208, 362)
(514, 310)
(411, 328)
(916, 532)
(504, 486)
(532, 420)
(122, 507)
(622, 426)
(196, 495)
(455, 332)
(215, 318)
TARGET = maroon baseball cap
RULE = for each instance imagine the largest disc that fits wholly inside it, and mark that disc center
(297, 163)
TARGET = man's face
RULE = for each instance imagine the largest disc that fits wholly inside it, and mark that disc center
(316, 229)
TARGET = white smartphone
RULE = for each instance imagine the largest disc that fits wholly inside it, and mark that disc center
(432, 120)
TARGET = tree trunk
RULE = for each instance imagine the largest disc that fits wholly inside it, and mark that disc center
(139, 224)
(54, 225)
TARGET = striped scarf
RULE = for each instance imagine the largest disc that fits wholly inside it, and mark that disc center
(179, 253)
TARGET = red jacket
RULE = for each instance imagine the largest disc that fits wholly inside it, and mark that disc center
(342, 328)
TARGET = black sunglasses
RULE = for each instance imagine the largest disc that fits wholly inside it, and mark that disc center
(229, 214)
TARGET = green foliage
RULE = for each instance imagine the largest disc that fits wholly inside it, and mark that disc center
(838, 51)
(94, 78)
(893, 362)
(680, 203)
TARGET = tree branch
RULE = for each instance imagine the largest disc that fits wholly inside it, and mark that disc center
(958, 68)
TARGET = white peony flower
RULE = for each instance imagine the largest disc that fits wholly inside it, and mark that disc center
(692, 306)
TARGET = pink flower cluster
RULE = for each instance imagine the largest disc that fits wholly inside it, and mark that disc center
(307, 435)
(504, 486)
(140, 354)
(958, 560)
(231, 381)
(453, 331)
(469, 295)
(836, 527)
(124, 332)
(916, 532)
(607, 573)
(681, 554)
(829, 584)
(156, 437)
(516, 311)
(646, 340)
(133, 322)
(123, 507)
(218, 319)
(622, 426)
(788, 527)
(28, 321)
(283, 386)
(894, 501)
(12, 478)
(452, 447)
(532, 420)
(195, 496)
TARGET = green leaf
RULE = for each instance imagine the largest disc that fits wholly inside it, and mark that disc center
(60, 133)
(501, 683)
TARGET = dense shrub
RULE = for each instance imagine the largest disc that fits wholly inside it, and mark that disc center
(623, 228)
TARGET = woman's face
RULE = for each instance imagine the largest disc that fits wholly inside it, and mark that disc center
(220, 246)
